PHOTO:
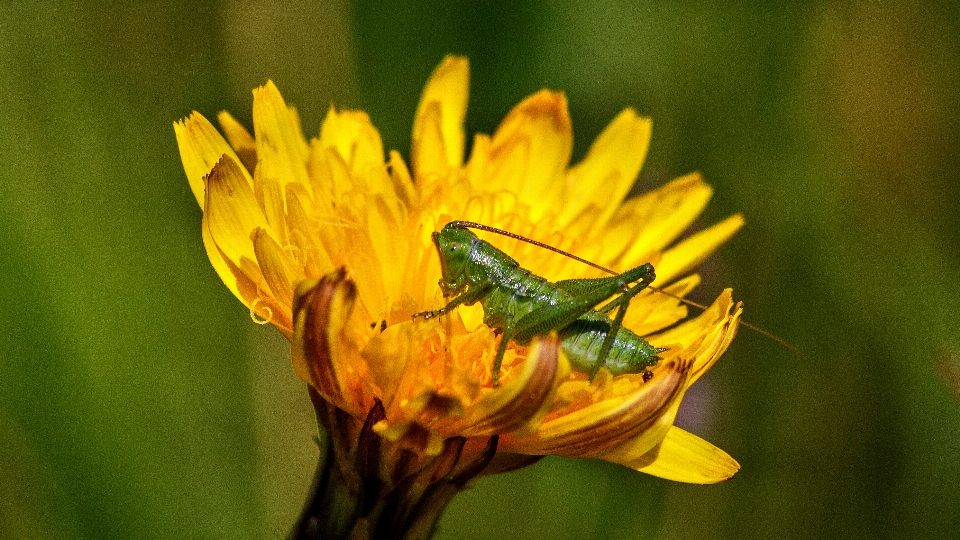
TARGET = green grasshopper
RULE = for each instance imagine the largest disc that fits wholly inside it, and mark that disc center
(521, 305)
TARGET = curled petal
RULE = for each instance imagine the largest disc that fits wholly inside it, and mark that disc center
(521, 403)
(322, 355)
(592, 430)
(706, 337)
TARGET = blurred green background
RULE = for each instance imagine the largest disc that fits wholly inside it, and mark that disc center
(137, 400)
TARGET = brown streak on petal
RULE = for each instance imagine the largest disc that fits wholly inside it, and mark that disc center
(312, 313)
(590, 438)
(526, 406)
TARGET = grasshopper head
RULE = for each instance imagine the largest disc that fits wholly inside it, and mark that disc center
(454, 245)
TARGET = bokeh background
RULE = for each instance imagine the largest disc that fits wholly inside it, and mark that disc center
(138, 400)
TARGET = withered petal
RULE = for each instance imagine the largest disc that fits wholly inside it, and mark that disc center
(520, 403)
(592, 430)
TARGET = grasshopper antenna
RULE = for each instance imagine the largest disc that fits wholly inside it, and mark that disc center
(757, 329)
(508, 234)
(481, 227)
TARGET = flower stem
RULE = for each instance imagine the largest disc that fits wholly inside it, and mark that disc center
(366, 488)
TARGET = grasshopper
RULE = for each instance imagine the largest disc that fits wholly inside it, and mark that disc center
(520, 305)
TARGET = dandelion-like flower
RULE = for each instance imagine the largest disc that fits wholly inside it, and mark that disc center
(329, 240)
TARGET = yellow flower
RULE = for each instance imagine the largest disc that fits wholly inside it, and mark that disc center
(329, 240)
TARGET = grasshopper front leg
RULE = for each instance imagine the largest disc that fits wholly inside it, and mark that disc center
(470, 296)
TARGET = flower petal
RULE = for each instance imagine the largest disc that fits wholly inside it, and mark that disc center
(706, 337)
(281, 150)
(520, 404)
(201, 147)
(684, 457)
(594, 429)
(279, 271)
(322, 356)
(647, 224)
(692, 251)
(438, 137)
(231, 210)
(529, 152)
(356, 140)
(240, 139)
(608, 171)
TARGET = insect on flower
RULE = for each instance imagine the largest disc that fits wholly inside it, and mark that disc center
(522, 305)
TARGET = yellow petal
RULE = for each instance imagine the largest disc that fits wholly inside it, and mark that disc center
(402, 181)
(232, 211)
(244, 280)
(529, 152)
(201, 147)
(520, 404)
(354, 138)
(684, 457)
(646, 224)
(660, 309)
(706, 337)
(280, 272)
(438, 137)
(240, 139)
(610, 168)
(689, 253)
(281, 150)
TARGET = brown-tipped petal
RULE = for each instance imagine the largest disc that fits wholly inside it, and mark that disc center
(240, 139)
(706, 337)
(608, 171)
(684, 457)
(689, 253)
(201, 147)
(438, 137)
(231, 211)
(593, 430)
(321, 309)
(520, 404)
(281, 150)
(530, 151)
